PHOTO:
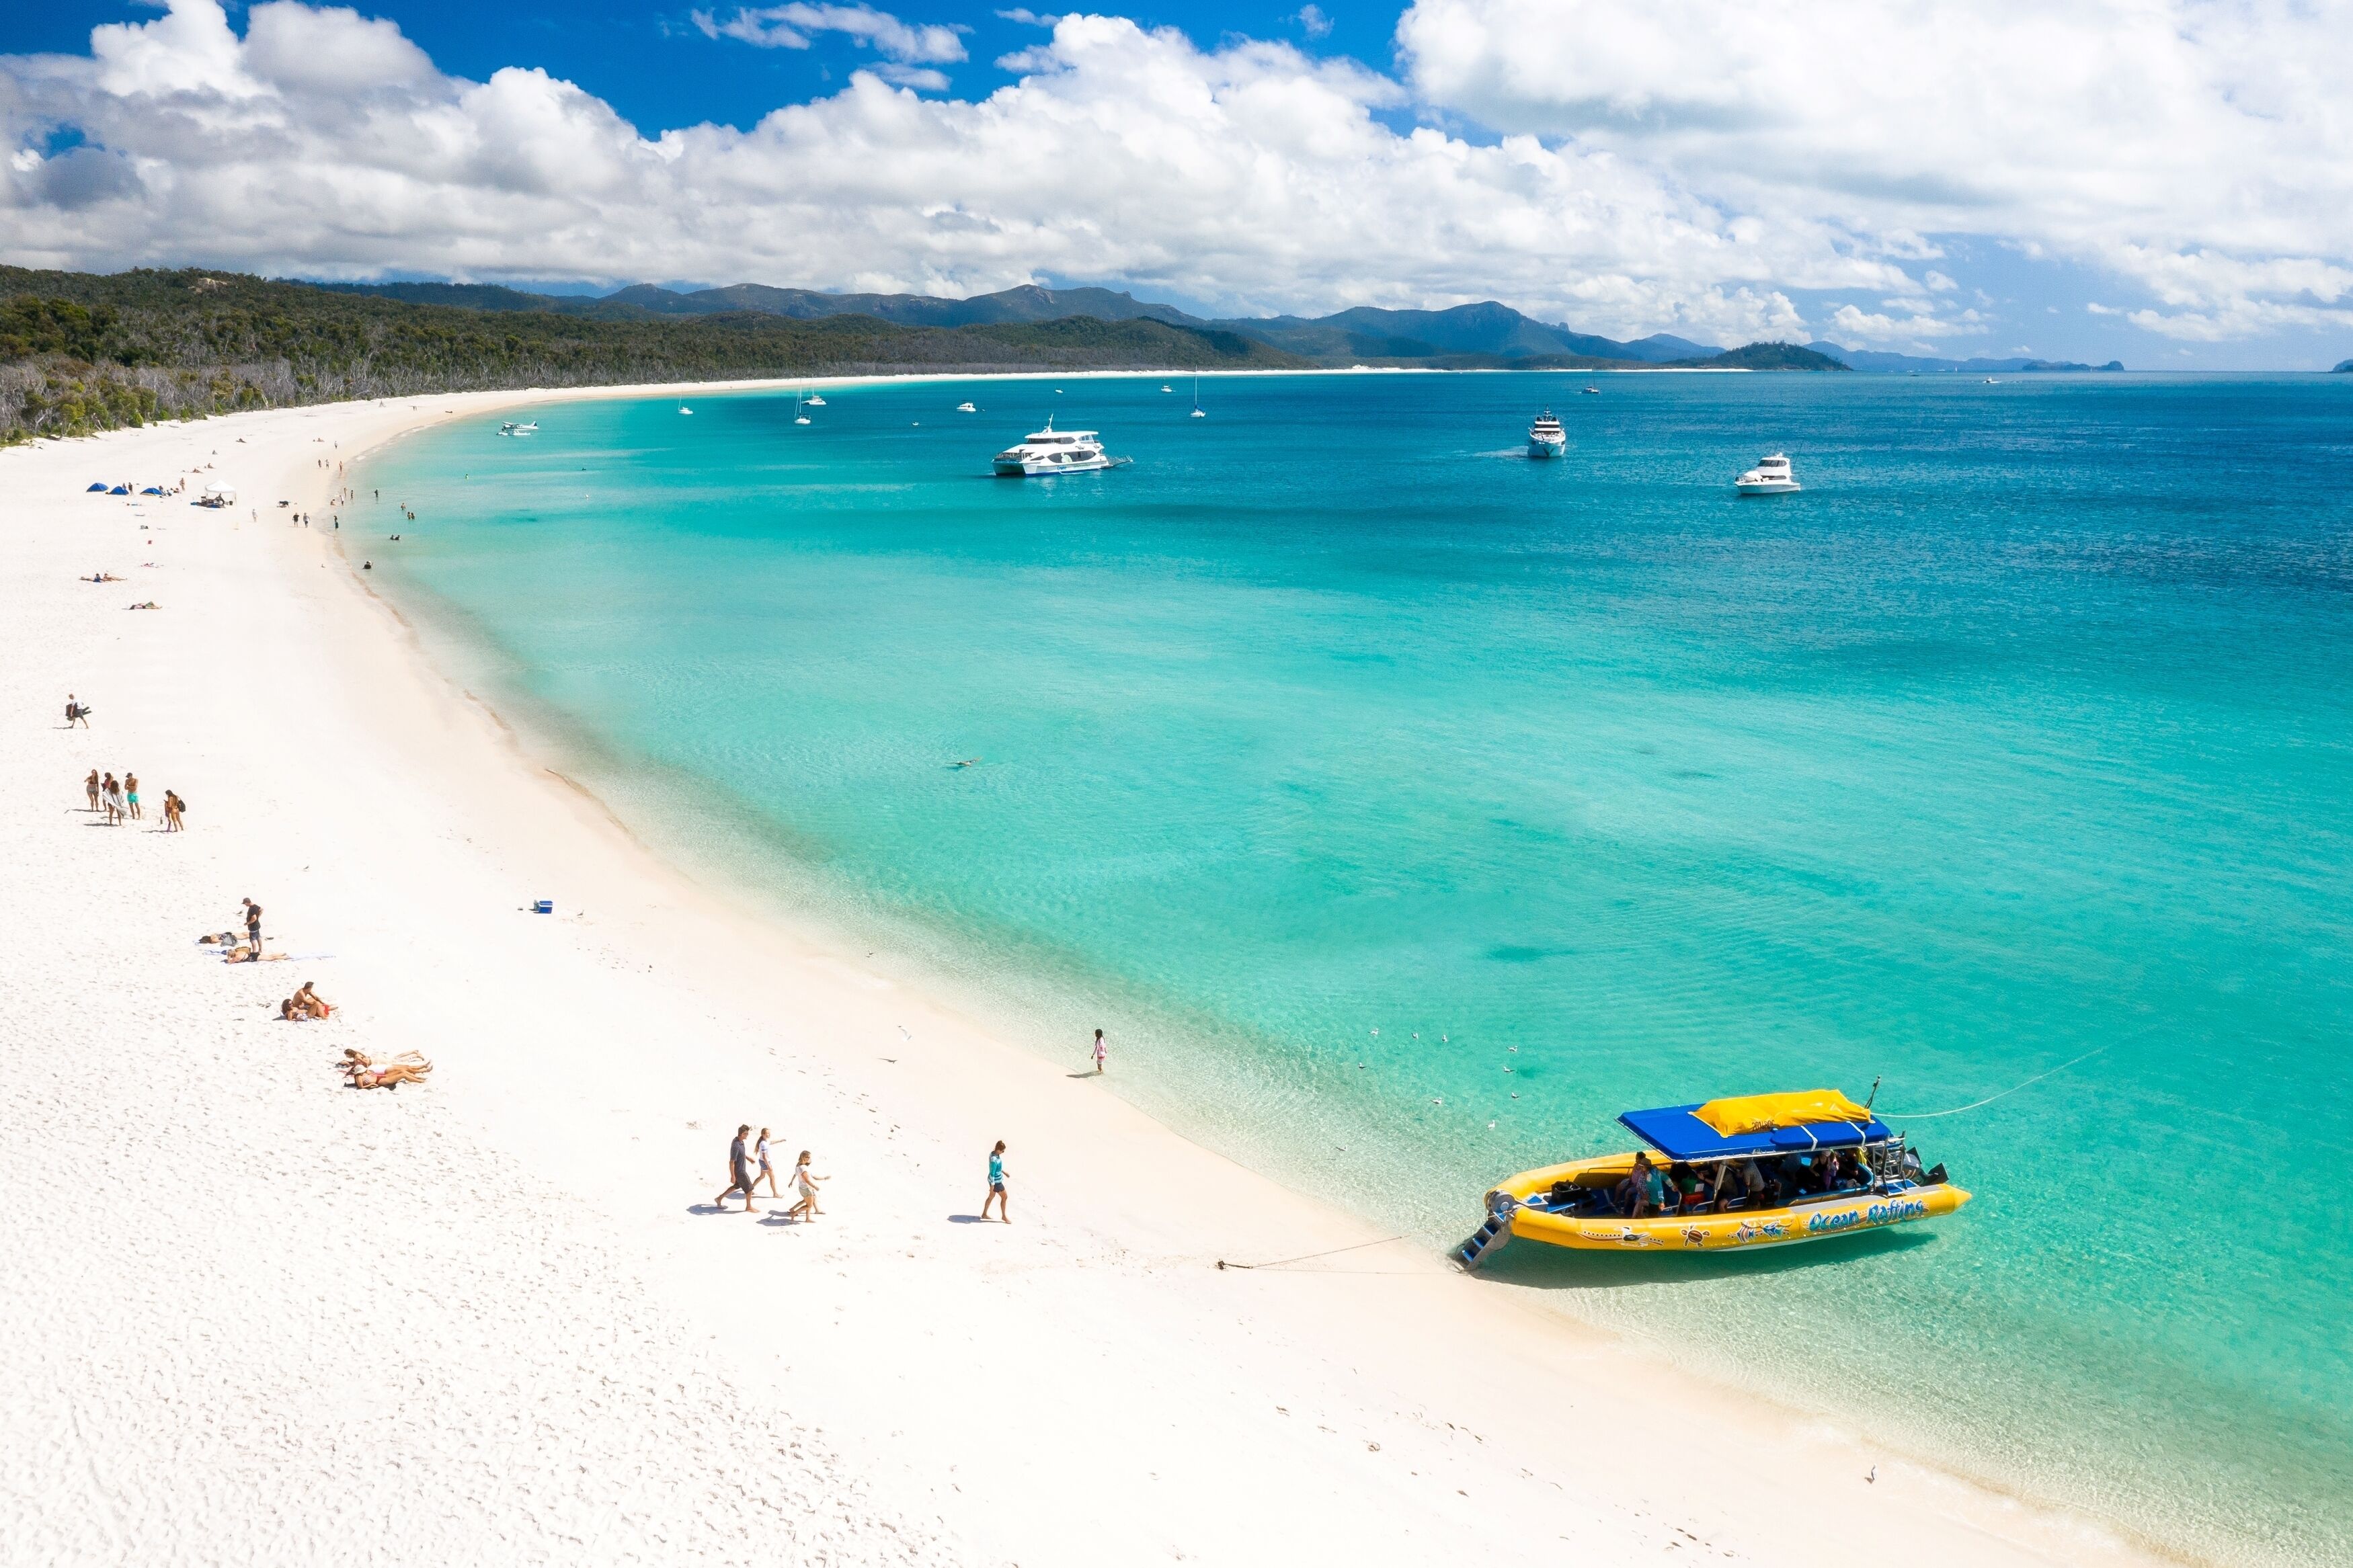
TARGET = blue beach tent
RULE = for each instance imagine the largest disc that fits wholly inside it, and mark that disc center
(98, 488)
(120, 490)
(152, 490)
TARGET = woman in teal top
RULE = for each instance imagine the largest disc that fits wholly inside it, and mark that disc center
(997, 1185)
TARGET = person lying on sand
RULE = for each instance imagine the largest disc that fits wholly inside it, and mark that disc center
(252, 955)
(408, 1068)
(309, 1003)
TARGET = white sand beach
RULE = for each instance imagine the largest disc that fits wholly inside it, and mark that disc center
(247, 1314)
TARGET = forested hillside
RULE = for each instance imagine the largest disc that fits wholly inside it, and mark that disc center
(81, 352)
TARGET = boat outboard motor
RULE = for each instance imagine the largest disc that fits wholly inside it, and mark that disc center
(1936, 1178)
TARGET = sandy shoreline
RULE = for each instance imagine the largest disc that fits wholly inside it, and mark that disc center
(487, 1320)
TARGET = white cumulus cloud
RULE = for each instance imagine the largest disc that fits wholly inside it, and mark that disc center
(2199, 147)
(792, 28)
(1625, 165)
(1249, 176)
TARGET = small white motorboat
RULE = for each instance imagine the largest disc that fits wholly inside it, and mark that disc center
(682, 408)
(1545, 437)
(967, 408)
(1165, 387)
(1770, 477)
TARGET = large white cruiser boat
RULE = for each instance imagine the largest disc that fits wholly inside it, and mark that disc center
(1545, 437)
(1052, 451)
(1770, 477)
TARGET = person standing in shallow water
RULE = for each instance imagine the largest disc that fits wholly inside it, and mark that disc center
(739, 1166)
(1098, 1053)
(997, 1185)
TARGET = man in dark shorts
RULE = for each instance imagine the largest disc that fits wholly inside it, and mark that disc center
(252, 923)
(739, 1165)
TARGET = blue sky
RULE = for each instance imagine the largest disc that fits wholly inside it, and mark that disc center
(2151, 180)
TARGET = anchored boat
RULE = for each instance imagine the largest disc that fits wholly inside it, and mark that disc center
(1761, 1170)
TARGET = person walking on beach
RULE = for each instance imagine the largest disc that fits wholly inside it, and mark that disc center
(173, 806)
(739, 1170)
(89, 787)
(766, 1169)
(75, 712)
(252, 923)
(804, 1183)
(997, 1185)
(130, 795)
(1098, 1053)
(113, 793)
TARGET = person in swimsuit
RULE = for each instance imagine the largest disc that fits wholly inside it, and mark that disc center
(173, 806)
(1098, 1053)
(90, 788)
(804, 1183)
(997, 1185)
(739, 1168)
(766, 1169)
(112, 791)
(130, 795)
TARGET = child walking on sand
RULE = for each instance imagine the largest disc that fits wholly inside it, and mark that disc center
(765, 1169)
(804, 1183)
(997, 1185)
(1098, 1053)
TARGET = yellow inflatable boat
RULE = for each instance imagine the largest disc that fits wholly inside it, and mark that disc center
(1763, 1170)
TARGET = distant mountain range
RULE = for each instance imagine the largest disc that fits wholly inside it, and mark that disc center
(1486, 335)
(1867, 358)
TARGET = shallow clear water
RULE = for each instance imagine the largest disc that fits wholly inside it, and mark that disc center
(2023, 732)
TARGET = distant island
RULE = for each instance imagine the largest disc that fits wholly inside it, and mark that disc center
(2344, 367)
(81, 352)
(1914, 364)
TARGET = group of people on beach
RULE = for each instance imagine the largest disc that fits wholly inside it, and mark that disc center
(743, 1178)
(748, 1164)
(118, 800)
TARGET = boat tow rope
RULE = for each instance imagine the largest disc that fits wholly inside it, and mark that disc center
(1988, 1100)
(1309, 1257)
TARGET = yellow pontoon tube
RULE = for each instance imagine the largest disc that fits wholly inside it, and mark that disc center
(1786, 1140)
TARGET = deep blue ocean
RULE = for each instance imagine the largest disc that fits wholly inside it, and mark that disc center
(1404, 809)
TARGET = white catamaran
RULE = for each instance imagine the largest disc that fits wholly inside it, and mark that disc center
(1052, 451)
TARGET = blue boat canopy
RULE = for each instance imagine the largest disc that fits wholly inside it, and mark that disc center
(1678, 1134)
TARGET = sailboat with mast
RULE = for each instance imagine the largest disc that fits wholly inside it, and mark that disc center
(1198, 414)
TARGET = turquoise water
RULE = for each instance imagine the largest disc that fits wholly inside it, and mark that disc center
(2023, 732)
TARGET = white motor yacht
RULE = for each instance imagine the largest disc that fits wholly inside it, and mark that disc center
(1052, 451)
(1770, 477)
(967, 408)
(1545, 437)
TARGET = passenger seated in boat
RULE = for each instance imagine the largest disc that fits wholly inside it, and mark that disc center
(1740, 1184)
(1643, 1190)
(1690, 1193)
